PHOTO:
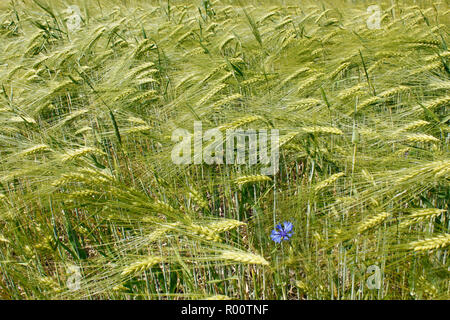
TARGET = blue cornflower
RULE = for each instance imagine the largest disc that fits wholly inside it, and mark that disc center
(282, 232)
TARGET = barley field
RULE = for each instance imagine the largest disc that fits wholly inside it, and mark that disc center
(93, 206)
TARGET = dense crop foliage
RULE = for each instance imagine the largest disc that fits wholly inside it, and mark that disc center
(92, 205)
